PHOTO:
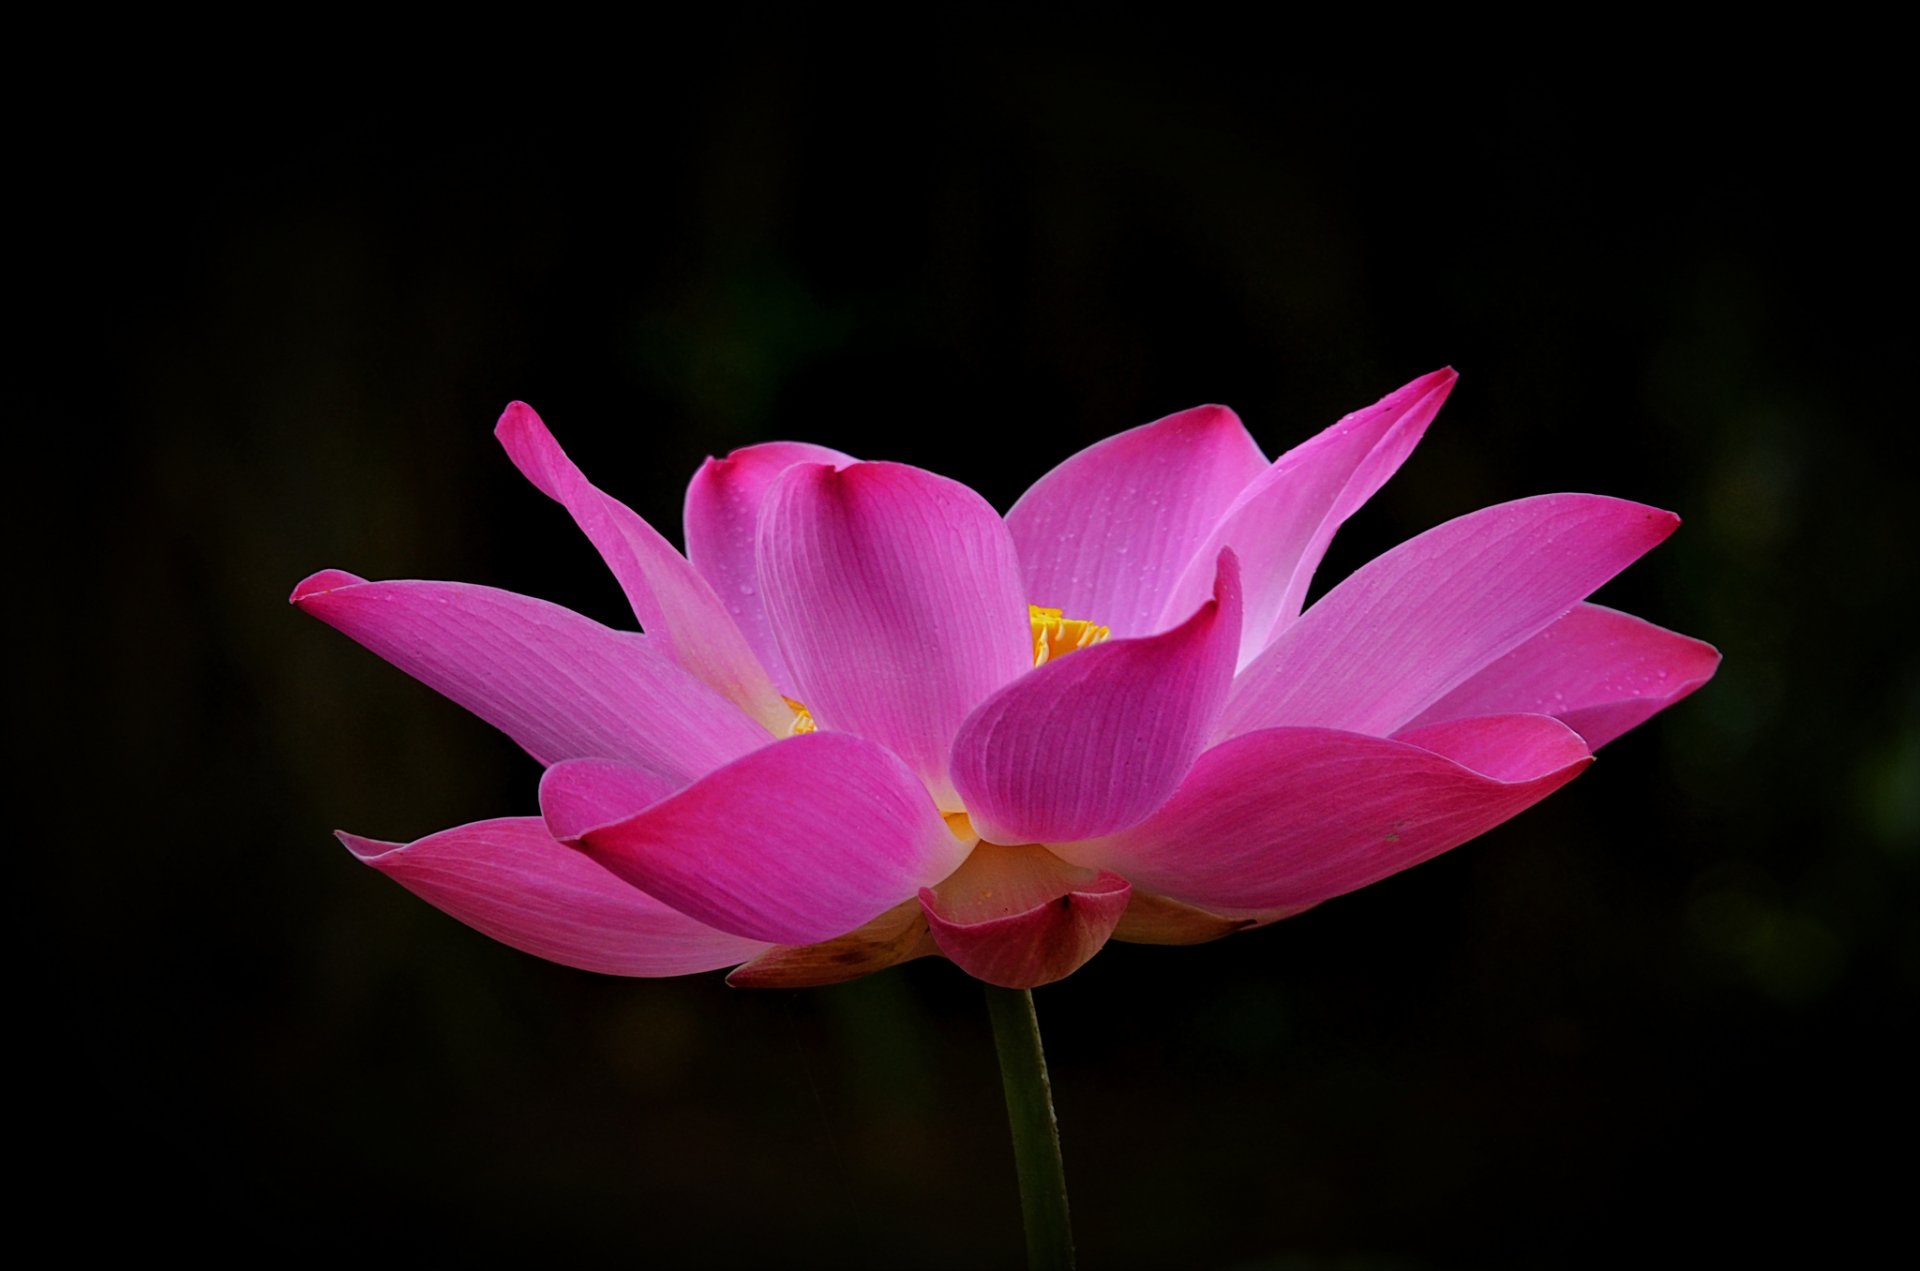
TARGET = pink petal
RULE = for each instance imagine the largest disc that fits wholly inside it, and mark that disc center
(1281, 524)
(1599, 671)
(896, 599)
(1106, 535)
(561, 685)
(1288, 817)
(1020, 917)
(796, 843)
(722, 514)
(510, 880)
(1094, 741)
(598, 792)
(1413, 624)
(669, 597)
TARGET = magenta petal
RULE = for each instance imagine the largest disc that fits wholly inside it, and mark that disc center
(510, 880)
(1021, 917)
(561, 685)
(669, 597)
(722, 516)
(1288, 817)
(1281, 524)
(798, 842)
(1413, 624)
(1597, 670)
(597, 792)
(1106, 535)
(1092, 742)
(897, 602)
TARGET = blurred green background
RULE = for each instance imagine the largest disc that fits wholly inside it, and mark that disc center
(272, 326)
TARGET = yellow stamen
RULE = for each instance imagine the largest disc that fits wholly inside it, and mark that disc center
(1054, 634)
(802, 719)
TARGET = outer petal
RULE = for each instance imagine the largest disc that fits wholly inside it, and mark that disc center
(896, 936)
(1287, 817)
(669, 597)
(1154, 919)
(1021, 917)
(722, 514)
(1093, 742)
(1107, 534)
(561, 685)
(1411, 625)
(1281, 524)
(510, 880)
(897, 601)
(1597, 670)
(796, 843)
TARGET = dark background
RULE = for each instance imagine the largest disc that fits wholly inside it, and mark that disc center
(270, 325)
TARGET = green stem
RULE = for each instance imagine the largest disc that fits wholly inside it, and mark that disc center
(1036, 1135)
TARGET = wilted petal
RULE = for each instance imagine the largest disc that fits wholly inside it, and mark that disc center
(896, 599)
(561, 685)
(1287, 817)
(896, 936)
(1413, 624)
(669, 597)
(722, 514)
(796, 843)
(1597, 670)
(510, 880)
(1154, 919)
(1107, 534)
(1280, 525)
(1021, 917)
(1092, 742)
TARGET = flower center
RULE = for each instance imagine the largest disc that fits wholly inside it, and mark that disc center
(802, 719)
(1055, 635)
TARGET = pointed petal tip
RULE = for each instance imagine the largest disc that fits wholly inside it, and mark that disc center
(365, 850)
(1209, 415)
(517, 416)
(321, 583)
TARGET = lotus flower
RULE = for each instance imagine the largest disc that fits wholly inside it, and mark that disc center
(871, 719)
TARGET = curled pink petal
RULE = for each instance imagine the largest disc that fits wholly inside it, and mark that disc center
(1020, 917)
(598, 792)
(669, 597)
(561, 685)
(897, 602)
(1280, 524)
(1413, 624)
(1107, 534)
(510, 880)
(1092, 742)
(798, 842)
(1288, 817)
(722, 514)
(1597, 670)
